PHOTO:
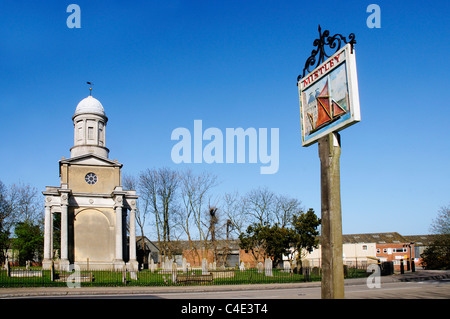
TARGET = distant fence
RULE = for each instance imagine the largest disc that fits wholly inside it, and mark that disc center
(36, 277)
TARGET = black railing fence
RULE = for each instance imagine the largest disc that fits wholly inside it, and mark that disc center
(36, 277)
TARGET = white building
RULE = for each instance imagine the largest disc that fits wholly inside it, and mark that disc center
(354, 255)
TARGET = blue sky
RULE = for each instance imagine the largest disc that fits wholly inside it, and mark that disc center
(161, 65)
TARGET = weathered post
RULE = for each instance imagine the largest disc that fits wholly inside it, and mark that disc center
(8, 269)
(52, 271)
(124, 274)
(331, 237)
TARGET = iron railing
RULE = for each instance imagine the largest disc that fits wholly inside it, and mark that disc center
(36, 277)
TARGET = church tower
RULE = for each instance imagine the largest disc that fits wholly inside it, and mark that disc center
(94, 207)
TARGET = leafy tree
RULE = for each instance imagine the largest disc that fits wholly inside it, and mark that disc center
(278, 240)
(5, 213)
(264, 241)
(305, 232)
(437, 255)
(253, 240)
(29, 241)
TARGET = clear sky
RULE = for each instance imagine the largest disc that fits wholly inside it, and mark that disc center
(160, 65)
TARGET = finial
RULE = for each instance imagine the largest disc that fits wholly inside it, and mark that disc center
(90, 88)
(333, 42)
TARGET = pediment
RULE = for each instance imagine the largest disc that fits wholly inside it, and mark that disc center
(90, 159)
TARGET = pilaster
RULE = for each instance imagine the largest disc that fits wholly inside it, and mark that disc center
(65, 193)
(118, 207)
(48, 234)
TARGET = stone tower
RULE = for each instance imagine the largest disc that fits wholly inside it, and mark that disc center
(93, 206)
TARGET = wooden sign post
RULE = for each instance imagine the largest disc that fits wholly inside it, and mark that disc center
(331, 237)
(329, 102)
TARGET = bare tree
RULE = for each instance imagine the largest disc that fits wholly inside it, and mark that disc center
(235, 210)
(25, 203)
(158, 189)
(213, 221)
(168, 184)
(441, 225)
(284, 208)
(18, 203)
(437, 253)
(6, 211)
(260, 204)
(195, 196)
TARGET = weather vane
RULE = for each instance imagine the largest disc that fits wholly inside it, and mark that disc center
(90, 87)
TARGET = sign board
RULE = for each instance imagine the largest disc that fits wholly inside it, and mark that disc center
(329, 99)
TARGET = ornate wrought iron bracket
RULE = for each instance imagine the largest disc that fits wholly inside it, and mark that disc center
(325, 39)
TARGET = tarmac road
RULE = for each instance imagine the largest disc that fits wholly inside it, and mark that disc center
(394, 290)
(423, 285)
(258, 301)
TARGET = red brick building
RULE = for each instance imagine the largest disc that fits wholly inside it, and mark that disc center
(389, 247)
(394, 247)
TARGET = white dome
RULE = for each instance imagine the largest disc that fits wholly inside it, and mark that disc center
(90, 105)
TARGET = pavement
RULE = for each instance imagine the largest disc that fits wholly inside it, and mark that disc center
(30, 292)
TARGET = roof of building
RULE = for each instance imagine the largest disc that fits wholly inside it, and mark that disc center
(387, 238)
(149, 245)
(90, 105)
(180, 245)
(378, 238)
(421, 240)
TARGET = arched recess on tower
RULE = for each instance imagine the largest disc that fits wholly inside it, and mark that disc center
(94, 236)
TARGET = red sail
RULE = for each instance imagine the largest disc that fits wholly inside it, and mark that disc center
(337, 109)
(324, 90)
(323, 115)
(323, 107)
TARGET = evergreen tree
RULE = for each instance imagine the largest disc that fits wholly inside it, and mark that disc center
(264, 240)
(29, 241)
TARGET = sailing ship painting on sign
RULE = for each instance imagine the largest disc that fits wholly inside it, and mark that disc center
(330, 104)
(329, 97)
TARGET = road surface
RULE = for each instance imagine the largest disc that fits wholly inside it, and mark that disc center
(393, 290)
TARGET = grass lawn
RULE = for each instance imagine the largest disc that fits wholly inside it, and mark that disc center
(161, 278)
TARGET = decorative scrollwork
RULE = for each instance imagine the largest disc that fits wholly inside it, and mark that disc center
(334, 42)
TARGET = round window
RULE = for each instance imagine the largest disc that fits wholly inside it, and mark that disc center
(90, 178)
